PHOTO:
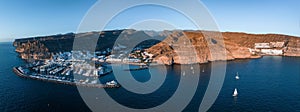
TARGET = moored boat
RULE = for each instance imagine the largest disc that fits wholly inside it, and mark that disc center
(112, 83)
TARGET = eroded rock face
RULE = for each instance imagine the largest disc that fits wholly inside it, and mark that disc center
(202, 46)
(33, 50)
(164, 60)
(293, 47)
(177, 47)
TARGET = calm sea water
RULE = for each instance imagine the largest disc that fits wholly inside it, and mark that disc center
(271, 83)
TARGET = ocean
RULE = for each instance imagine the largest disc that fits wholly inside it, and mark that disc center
(271, 83)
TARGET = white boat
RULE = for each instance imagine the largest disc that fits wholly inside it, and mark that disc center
(68, 72)
(237, 76)
(203, 70)
(87, 80)
(235, 93)
(94, 82)
(80, 71)
(112, 83)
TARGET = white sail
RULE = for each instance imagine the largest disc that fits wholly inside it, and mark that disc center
(237, 76)
(235, 93)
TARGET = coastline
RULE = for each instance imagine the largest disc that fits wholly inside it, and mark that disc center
(237, 45)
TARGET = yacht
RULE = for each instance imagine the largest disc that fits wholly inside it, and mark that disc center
(235, 93)
(237, 76)
(112, 83)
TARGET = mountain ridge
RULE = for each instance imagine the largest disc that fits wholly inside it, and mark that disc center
(171, 50)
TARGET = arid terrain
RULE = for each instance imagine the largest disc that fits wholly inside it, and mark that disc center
(177, 47)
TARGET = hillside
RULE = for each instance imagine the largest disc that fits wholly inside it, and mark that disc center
(179, 47)
(214, 45)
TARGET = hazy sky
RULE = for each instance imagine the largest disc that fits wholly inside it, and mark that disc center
(24, 18)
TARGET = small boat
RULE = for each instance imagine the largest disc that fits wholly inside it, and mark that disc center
(112, 83)
(237, 76)
(235, 93)
(203, 70)
(87, 80)
(94, 82)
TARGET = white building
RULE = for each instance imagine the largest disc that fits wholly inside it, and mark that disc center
(272, 51)
(254, 51)
(131, 60)
(148, 54)
(272, 48)
(113, 60)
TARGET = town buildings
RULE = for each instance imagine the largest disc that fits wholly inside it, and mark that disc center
(272, 48)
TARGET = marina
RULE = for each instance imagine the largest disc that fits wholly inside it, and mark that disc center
(77, 68)
(21, 73)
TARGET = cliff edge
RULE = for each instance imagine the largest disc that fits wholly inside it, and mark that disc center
(188, 47)
(176, 47)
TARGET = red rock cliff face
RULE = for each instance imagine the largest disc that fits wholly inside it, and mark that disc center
(201, 47)
(33, 51)
(179, 47)
(293, 47)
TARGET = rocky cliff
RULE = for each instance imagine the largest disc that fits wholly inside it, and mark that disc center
(34, 50)
(43, 47)
(202, 46)
(179, 47)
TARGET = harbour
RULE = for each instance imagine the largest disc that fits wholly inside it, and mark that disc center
(19, 73)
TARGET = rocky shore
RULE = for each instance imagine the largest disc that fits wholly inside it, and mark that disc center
(197, 46)
(177, 47)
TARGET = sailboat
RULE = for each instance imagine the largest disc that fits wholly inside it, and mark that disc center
(235, 93)
(237, 76)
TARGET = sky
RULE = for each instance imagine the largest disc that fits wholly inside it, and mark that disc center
(28, 18)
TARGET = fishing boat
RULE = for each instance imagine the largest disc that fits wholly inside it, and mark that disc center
(235, 93)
